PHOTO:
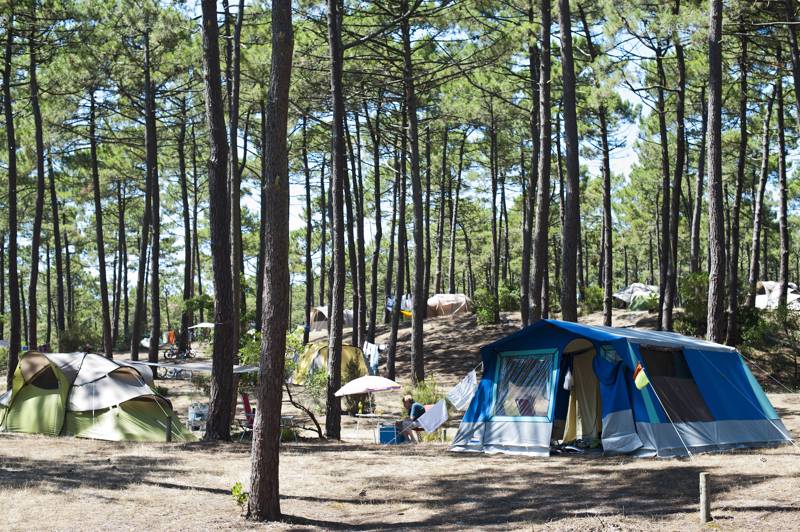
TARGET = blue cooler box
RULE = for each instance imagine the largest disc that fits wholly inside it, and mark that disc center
(388, 435)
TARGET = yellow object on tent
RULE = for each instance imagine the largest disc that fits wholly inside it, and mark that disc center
(315, 357)
(639, 377)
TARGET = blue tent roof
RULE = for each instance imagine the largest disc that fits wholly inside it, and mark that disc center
(601, 333)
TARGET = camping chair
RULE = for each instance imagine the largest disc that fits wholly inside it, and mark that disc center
(246, 424)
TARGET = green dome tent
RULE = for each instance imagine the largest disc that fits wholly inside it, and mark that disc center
(87, 396)
(315, 357)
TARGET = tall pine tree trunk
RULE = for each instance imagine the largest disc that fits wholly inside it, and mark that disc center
(333, 411)
(36, 236)
(569, 236)
(671, 292)
(716, 236)
(451, 269)
(783, 228)
(697, 213)
(309, 234)
(151, 149)
(234, 177)
(420, 301)
(443, 179)
(263, 504)
(758, 200)
(219, 412)
(665, 256)
(188, 289)
(401, 256)
(98, 227)
(15, 339)
(375, 136)
(732, 330)
(540, 238)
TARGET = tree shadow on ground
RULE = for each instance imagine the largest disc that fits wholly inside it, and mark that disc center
(492, 496)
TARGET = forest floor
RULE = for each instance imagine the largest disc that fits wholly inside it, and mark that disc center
(73, 484)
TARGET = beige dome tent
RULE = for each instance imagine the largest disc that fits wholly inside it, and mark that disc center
(319, 318)
(449, 305)
(87, 396)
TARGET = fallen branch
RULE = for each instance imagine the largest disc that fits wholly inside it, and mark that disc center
(306, 410)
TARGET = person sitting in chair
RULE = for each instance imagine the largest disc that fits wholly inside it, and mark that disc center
(414, 411)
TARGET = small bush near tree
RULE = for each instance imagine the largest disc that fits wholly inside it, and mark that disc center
(593, 298)
(485, 306)
(693, 293)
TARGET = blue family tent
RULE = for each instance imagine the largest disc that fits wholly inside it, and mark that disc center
(554, 380)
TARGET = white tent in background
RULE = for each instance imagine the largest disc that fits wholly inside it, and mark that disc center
(768, 293)
(319, 318)
(448, 305)
(636, 295)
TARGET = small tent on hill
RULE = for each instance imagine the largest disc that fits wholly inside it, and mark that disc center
(768, 294)
(315, 357)
(637, 296)
(87, 396)
(701, 396)
(448, 305)
(319, 318)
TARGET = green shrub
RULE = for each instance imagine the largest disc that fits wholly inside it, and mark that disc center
(426, 392)
(351, 402)
(485, 306)
(3, 358)
(693, 293)
(593, 298)
(239, 494)
(201, 381)
(317, 388)
(79, 337)
(508, 298)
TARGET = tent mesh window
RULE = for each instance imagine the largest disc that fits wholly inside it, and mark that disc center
(673, 382)
(523, 386)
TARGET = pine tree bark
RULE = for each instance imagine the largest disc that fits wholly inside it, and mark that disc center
(323, 271)
(264, 501)
(263, 222)
(309, 233)
(2, 283)
(716, 236)
(151, 149)
(758, 216)
(352, 258)
(671, 292)
(375, 137)
(443, 179)
(36, 236)
(451, 269)
(361, 256)
(533, 176)
(783, 228)
(15, 336)
(420, 301)
(234, 177)
(198, 268)
(665, 255)
(795, 49)
(188, 288)
(569, 237)
(219, 412)
(333, 411)
(540, 238)
(388, 287)
(697, 213)
(732, 329)
(98, 227)
(494, 279)
(428, 170)
(122, 268)
(60, 320)
(401, 256)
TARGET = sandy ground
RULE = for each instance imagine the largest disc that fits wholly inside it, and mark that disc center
(73, 484)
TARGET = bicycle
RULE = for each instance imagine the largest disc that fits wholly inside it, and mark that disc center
(173, 353)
